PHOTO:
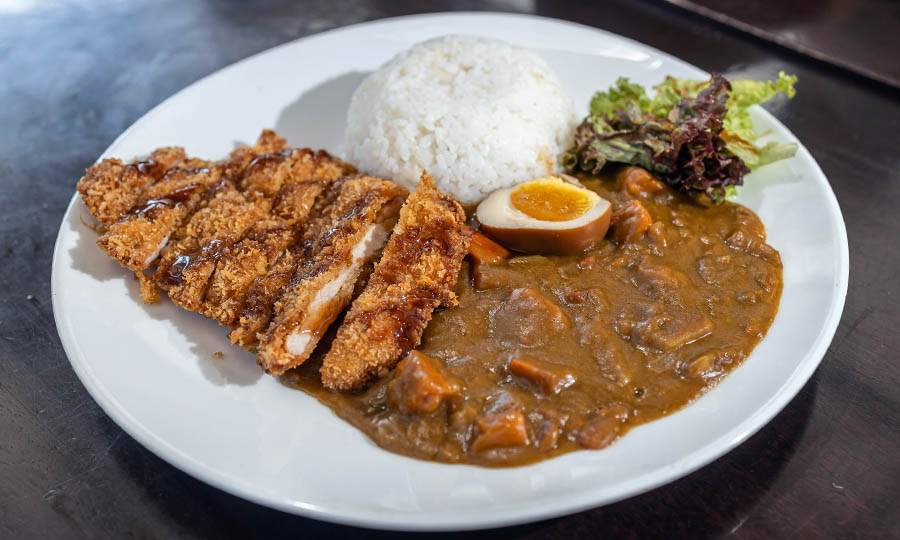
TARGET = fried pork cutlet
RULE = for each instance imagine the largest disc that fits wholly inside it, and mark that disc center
(361, 220)
(111, 188)
(416, 274)
(137, 238)
(306, 192)
(189, 259)
(268, 142)
(302, 178)
(188, 262)
(256, 311)
(240, 265)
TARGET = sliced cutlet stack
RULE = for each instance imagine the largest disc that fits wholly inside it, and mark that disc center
(256, 311)
(155, 207)
(111, 188)
(187, 263)
(295, 182)
(136, 239)
(416, 274)
(227, 211)
(360, 222)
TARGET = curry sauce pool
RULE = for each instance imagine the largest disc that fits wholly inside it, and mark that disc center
(546, 355)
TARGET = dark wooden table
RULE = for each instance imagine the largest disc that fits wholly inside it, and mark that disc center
(73, 75)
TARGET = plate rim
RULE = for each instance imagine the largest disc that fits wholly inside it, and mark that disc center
(690, 463)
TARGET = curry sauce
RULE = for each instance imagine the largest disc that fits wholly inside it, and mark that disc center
(545, 355)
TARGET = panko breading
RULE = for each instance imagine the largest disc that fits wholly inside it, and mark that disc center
(361, 220)
(137, 238)
(274, 242)
(312, 177)
(303, 177)
(149, 290)
(189, 260)
(240, 157)
(240, 265)
(416, 274)
(110, 188)
(257, 309)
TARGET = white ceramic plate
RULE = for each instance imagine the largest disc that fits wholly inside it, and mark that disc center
(152, 369)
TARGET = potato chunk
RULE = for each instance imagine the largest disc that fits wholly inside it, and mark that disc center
(604, 428)
(670, 330)
(528, 318)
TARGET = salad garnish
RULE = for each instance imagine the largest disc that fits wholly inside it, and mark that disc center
(696, 135)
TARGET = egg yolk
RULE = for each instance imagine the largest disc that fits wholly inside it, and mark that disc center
(552, 199)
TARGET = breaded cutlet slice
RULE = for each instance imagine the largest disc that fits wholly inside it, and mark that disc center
(268, 142)
(137, 238)
(111, 188)
(416, 274)
(256, 311)
(221, 219)
(361, 220)
(188, 262)
(306, 178)
(312, 177)
(240, 264)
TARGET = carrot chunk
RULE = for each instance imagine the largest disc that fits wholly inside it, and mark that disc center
(639, 182)
(549, 378)
(501, 429)
(629, 222)
(484, 250)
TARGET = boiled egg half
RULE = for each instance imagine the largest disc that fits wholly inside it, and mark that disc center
(553, 215)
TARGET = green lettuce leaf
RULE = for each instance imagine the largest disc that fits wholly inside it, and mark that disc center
(745, 93)
(697, 135)
(756, 156)
(684, 148)
(620, 95)
(737, 126)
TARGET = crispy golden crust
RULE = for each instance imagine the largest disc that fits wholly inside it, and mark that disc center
(302, 178)
(189, 260)
(267, 173)
(149, 290)
(136, 239)
(360, 220)
(240, 158)
(416, 274)
(256, 311)
(110, 188)
(240, 265)
(195, 229)
(313, 174)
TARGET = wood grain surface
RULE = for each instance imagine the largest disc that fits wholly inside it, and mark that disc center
(75, 73)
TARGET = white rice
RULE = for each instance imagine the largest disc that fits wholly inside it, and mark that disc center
(477, 114)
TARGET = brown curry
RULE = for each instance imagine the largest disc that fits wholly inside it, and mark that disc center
(546, 355)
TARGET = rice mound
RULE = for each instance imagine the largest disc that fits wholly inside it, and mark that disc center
(478, 114)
